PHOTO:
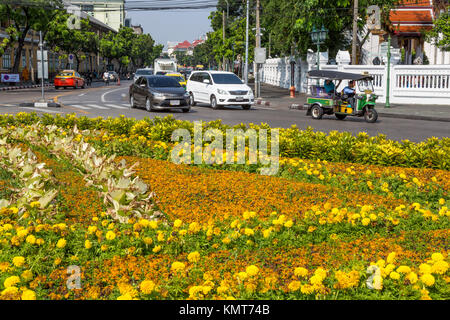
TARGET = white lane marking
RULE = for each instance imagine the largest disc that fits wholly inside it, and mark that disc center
(96, 106)
(8, 105)
(80, 107)
(126, 105)
(262, 108)
(108, 92)
(80, 95)
(115, 106)
(41, 110)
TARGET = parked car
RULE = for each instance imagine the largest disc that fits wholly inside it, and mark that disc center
(69, 78)
(143, 72)
(158, 93)
(179, 77)
(219, 88)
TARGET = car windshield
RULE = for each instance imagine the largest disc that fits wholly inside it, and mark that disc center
(144, 72)
(65, 74)
(226, 78)
(166, 82)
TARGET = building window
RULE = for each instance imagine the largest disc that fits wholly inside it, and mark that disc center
(24, 58)
(6, 60)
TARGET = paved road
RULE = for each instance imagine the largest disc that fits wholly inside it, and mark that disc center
(112, 101)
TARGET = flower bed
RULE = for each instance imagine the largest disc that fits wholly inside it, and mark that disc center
(318, 230)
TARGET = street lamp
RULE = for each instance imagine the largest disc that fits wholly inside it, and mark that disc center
(318, 37)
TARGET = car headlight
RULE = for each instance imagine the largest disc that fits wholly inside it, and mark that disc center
(250, 92)
(158, 94)
(220, 91)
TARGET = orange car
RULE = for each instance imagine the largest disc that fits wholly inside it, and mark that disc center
(69, 78)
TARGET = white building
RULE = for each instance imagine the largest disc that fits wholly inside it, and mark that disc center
(110, 12)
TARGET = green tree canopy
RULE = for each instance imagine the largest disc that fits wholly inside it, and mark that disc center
(440, 35)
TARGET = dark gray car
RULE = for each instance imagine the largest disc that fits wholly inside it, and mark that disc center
(158, 93)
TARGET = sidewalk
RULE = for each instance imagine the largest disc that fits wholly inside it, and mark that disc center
(277, 97)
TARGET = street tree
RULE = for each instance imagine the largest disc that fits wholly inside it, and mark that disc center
(440, 35)
(24, 17)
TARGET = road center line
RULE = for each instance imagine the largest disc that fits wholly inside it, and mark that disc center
(108, 92)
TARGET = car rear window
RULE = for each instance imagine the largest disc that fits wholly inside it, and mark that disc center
(163, 82)
(65, 74)
(144, 72)
(226, 79)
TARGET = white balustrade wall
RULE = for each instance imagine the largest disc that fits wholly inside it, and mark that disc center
(409, 84)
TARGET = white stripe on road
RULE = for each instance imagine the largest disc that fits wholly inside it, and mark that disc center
(42, 110)
(115, 106)
(96, 106)
(262, 108)
(108, 92)
(80, 107)
(8, 105)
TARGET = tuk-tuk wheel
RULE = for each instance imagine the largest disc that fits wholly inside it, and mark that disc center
(316, 112)
(370, 115)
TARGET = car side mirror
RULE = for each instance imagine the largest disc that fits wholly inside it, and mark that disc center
(206, 81)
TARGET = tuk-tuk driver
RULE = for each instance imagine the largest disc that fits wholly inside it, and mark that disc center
(329, 87)
(350, 92)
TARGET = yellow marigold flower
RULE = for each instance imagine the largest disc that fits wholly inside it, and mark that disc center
(157, 249)
(31, 239)
(88, 244)
(307, 289)
(391, 257)
(148, 240)
(427, 279)
(226, 240)
(147, 286)
(177, 223)
(126, 296)
(441, 201)
(160, 237)
(14, 210)
(178, 266)
(27, 275)
(412, 277)
(373, 217)
(194, 257)
(300, 272)
(404, 269)
(10, 290)
(437, 257)
(316, 280)
(18, 261)
(365, 221)
(425, 268)
(57, 261)
(28, 295)
(242, 275)
(289, 224)
(110, 235)
(252, 270)
(394, 275)
(294, 286)
(439, 267)
(311, 229)
(249, 232)
(194, 227)
(381, 263)
(144, 222)
(35, 204)
(92, 229)
(40, 241)
(22, 233)
(104, 247)
(183, 232)
(61, 243)
(11, 281)
(153, 224)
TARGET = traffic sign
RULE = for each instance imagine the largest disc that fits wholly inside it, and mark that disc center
(70, 58)
(39, 66)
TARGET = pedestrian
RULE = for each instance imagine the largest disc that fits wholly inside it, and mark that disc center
(90, 77)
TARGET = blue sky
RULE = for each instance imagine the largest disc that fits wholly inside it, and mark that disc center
(177, 25)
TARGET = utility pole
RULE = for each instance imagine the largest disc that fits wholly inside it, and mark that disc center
(355, 31)
(258, 45)
(246, 44)
(223, 23)
(41, 45)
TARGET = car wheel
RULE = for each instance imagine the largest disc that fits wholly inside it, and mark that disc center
(132, 103)
(370, 115)
(214, 103)
(192, 100)
(341, 116)
(56, 88)
(247, 106)
(317, 112)
(148, 105)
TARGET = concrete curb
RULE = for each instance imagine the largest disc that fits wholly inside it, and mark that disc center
(40, 104)
(24, 87)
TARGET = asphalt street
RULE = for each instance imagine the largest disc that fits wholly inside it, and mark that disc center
(112, 101)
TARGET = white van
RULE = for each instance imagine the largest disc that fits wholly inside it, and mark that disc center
(219, 88)
(163, 66)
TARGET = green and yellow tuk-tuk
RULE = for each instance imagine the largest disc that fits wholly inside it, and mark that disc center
(325, 99)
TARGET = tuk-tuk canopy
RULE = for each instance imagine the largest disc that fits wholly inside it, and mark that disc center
(337, 75)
